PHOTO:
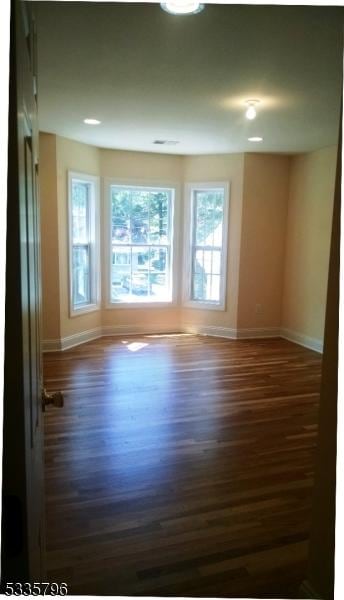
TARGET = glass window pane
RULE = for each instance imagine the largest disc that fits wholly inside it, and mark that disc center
(216, 266)
(158, 218)
(139, 284)
(207, 262)
(140, 258)
(158, 260)
(208, 218)
(214, 295)
(120, 214)
(198, 287)
(198, 262)
(158, 286)
(204, 218)
(80, 212)
(81, 276)
(218, 219)
(120, 272)
(139, 217)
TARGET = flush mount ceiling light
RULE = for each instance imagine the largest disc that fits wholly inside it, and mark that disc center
(182, 7)
(251, 112)
(92, 121)
(255, 139)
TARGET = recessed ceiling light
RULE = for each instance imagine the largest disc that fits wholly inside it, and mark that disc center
(92, 121)
(251, 112)
(255, 139)
(182, 7)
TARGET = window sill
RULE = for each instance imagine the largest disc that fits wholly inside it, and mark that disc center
(77, 312)
(140, 305)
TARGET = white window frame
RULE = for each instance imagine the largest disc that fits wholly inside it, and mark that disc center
(94, 215)
(190, 189)
(172, 187)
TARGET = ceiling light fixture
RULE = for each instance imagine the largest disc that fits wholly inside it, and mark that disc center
(251, 112)
(182, 7)
(92, 121)
(255, 139)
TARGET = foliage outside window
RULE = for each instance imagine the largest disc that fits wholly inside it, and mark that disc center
(141, 244)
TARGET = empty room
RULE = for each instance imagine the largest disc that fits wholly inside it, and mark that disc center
(182, 169)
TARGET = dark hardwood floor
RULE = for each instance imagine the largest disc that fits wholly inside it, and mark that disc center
(181, 466)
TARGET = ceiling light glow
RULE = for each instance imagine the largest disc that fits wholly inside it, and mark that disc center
(251, 112)
(182, 7)
(255, 139)
(92, 121)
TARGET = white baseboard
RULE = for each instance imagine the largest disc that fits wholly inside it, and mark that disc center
(80, 338)
(92, 334)
(307, 591)
(257, 332)
(231, 333)
(211, 330)
(51, 345)
(304, 340)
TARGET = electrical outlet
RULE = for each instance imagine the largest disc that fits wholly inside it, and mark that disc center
(259, 309)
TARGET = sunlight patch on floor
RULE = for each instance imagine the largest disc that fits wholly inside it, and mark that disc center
(136, 346)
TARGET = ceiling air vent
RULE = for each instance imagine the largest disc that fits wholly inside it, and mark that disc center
(166, 142)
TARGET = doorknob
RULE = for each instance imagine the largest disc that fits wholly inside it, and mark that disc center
(54, 398)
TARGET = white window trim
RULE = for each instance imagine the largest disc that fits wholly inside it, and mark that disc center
(95, 278)
(189, 190)
(175, 257)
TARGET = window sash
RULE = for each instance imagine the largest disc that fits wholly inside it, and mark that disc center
(77, 270)
(130, 229)
(146, 271)
(84, 276)
(206, 289)
(76, 239)
(209, 248)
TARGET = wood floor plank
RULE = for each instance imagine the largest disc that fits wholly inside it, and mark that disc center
(181, 465)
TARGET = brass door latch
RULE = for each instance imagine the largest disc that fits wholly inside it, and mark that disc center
(54, 398)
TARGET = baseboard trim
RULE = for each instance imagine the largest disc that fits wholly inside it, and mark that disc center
(212, 330)
(51, 345)
(71, 341)
(307, 591)
(80, 338)
(110, 330)
(303, 340)
(258, 332)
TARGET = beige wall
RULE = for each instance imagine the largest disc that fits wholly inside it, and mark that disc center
(309, 221)
(278, 243)
(49, 238)
(265, 199)
(230, 168)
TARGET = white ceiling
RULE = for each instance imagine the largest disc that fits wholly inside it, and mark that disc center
(149, 75)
